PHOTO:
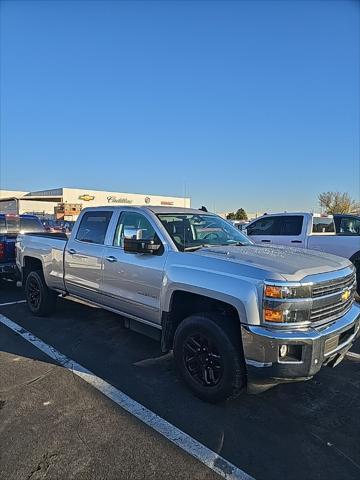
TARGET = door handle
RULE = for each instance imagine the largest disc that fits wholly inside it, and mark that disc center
(296, 241)
(71, 251)
(111, 259)
(266, 241)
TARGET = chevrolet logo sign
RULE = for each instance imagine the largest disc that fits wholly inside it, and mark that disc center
(345, 295)
(86, 197)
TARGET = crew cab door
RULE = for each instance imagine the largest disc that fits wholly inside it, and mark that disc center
(83, 256)
(322, 237)
(279, 230)
(132, 282)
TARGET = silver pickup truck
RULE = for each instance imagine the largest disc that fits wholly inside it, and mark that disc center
(231, 311)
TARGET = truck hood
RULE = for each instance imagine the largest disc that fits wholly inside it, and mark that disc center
(293, 264)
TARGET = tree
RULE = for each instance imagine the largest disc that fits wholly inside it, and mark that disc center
(240, 214)
(337, 202)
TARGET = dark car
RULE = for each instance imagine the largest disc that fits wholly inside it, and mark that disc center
(10, 227)
(54, 226)
(347, 224)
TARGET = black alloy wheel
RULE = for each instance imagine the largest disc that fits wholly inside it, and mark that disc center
(202, 360)
(34, 293)
(40, 298)
(209, 356)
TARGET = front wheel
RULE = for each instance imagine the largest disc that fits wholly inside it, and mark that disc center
(209, 357)
(40, 299)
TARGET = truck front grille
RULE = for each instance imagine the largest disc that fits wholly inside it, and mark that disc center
(333, 286)
(332, 311)
(329, 302)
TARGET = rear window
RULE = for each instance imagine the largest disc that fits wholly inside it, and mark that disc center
(2, 225)
(93, 227)
(30, 225)
(323, 225)
(12, 224)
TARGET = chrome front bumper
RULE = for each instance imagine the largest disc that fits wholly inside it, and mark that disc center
(312, 347)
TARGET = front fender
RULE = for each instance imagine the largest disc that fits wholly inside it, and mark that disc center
(241, 293)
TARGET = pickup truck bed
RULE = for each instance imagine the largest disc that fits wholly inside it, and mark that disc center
(52, 248)
(10, 226)
(54, 235)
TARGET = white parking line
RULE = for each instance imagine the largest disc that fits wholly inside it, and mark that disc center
(191, 446)
(12, 303)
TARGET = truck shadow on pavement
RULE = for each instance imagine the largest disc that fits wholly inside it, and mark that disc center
(309, 429)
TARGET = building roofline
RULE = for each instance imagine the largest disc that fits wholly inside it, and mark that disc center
(108, 191)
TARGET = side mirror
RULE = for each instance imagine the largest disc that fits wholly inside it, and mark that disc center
(132, 233)
(140, 246)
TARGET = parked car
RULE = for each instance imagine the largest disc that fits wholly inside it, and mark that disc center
(347, 224)
(239, 224)
(306, 230)
(10, 226)
(232, 311)
(54, 226)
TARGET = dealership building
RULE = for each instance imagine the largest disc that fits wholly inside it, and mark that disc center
(66, 203)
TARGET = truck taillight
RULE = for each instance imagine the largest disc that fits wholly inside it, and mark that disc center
(2, 250)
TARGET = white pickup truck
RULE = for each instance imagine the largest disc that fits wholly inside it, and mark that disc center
(306, 230)
(230, 310)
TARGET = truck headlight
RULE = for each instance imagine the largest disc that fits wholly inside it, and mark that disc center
(287, 303)
(286, 315)
(287, 291)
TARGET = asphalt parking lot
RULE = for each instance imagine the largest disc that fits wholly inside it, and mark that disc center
(55, 425)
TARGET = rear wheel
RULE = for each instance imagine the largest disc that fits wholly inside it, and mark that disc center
(40, 299)
(209, 357)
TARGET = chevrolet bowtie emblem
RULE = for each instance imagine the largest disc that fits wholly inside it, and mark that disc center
(86, 197)
(345, 295)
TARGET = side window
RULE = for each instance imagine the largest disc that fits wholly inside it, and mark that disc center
(264, 226)
(349, 226)
(323, 225)
(133, 225)
(93, 227)
(290, 225)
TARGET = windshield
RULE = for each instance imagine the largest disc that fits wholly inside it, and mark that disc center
(193, 231)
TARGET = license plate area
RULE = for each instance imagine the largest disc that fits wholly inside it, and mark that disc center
(335, 341)
(331, 344)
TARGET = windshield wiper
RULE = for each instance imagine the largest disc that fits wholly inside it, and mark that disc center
(196, 247)
(236, 244)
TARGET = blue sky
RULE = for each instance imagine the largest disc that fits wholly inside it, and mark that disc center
(250, 104)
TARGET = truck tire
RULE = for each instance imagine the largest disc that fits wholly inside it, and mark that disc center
(209, 357)
(40, 299)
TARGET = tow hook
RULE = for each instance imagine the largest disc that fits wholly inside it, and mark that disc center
(352, 356)
(336, 360)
